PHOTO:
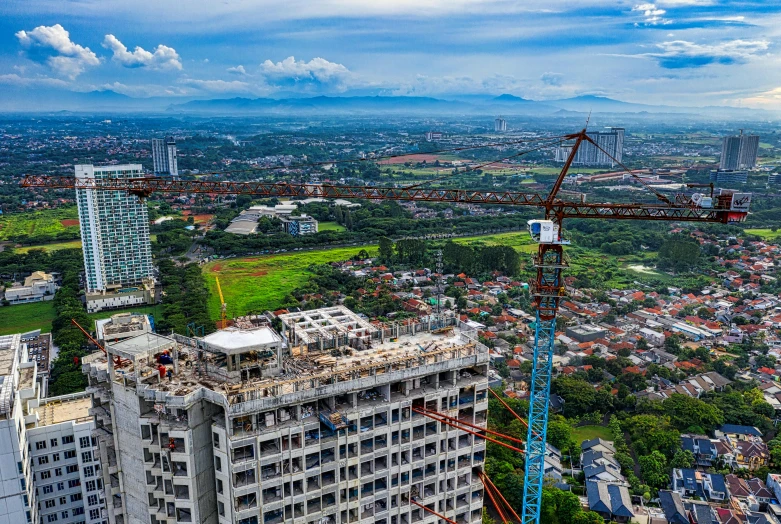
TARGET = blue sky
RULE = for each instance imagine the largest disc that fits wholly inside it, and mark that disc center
(676, 52)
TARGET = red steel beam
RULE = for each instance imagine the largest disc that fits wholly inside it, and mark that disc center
(498, 508)
(485, 478)
(432, 511)
(516, 415)
(467, 424)
(484, 437)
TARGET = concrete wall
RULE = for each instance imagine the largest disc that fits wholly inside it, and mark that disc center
(127, 412)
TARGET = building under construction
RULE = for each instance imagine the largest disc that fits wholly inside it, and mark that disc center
(322, 423)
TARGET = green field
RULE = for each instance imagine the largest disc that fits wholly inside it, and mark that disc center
(520, 241)
(56, 246)
(766, 234)
(26, 317)
(257, 284)
(588, 432)
(330, 226)
(36, 223)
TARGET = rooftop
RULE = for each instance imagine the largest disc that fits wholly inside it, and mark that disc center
(395, 347)
(234, 339)
(76, 409)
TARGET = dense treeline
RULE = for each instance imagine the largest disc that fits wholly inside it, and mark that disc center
(477, 260)
(679, 253)
(185, 298)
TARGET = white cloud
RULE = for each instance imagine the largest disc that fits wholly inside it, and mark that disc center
(652, 15)
(681, 53)
(225, 86)
(22, 81)
(164, 57)
(551, 79)
(238, 70)
(292, 71)
(771, 98)
(53, 46)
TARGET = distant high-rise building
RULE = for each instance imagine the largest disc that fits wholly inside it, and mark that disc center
(729, 177)
(164, 157)
(739, 152)
(609, 153)
(433, 135)
(115, 235)
(500, 125)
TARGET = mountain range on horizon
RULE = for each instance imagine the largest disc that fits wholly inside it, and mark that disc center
(107, 101)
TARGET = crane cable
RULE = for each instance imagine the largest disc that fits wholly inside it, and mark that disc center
(475, 168)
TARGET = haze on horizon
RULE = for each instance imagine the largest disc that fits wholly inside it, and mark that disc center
(670, 52)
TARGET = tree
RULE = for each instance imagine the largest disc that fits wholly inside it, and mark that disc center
(654, 469)
(685, 411)
(683, 459)
(385, 249)
(560, 435)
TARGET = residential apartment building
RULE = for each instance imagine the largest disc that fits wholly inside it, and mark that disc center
(739, 152)
(609, 153)
(164, 157)
(115, 240)
(500, 125)
(37, 287)
(317, 424)
(48, 457)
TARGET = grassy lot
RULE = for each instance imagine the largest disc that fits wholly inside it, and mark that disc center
(39, 315)
(520, 241)
(48, 222)
(588, 432)
(766, 234)
(26, 317)
(330, 226)
(257, 284)
(56, 246)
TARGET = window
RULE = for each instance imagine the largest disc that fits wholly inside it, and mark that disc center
(84, 442)
(91, 485)
(53, 442)
(20, 467)
(219, 486)
(72, 469)
(23, 484)
(68, 439)
(92, 500)
(86, 456)
(89, 471)
(78, 511)
(55, 457)
(47, 489)
(46, 475)
(216, 439)
(49, 503)
(70, 454)
(40, 445)
(74, 483)
(76, 497)
(217, 464)
(221, 509)
(58, 472)
(43, 460)
(60, 486)
(64, 514)
(94, 513)
(51, 518)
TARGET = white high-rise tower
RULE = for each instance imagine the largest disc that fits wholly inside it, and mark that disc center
(164, 157)
(114, 231)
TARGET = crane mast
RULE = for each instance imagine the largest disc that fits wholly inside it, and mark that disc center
(547, 289)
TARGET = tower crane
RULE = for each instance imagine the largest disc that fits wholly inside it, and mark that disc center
(548, 287)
